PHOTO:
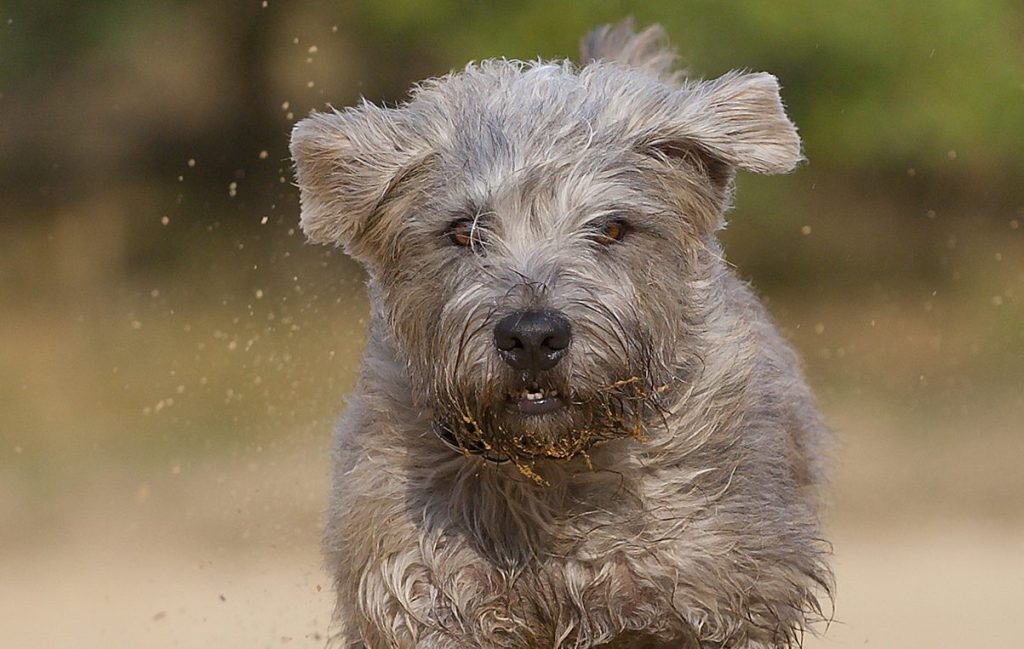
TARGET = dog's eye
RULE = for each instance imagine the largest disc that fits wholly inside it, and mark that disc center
(462, 233)
(611, 232)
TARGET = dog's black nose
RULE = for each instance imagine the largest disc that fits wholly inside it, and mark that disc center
(532, 340)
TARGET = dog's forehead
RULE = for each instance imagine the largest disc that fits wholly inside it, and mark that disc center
(515, 110)
(508, 131)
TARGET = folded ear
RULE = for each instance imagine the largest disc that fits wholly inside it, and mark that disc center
(736, 121)
(346, 164)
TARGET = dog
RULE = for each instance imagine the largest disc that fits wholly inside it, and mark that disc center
(573, 426)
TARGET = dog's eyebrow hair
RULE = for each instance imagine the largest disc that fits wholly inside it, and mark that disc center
(472, 210)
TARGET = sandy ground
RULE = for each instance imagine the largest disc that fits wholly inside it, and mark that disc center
(222, 550)
(953, 585)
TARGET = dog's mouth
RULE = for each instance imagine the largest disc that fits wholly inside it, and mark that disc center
(545, 421)
(536, 401)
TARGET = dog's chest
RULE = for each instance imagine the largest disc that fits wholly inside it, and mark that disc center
(590, 593)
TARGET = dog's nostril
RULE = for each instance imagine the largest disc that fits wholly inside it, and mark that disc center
(557, 342)
(533, 340)
(506, 341)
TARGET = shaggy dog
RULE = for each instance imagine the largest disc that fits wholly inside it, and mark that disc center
(573, 425)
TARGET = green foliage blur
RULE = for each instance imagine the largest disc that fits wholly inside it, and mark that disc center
(877, 88)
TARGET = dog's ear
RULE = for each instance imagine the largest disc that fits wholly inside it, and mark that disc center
(735, 121)
(347, 163)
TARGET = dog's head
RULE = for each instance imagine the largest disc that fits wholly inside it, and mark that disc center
(540, 237)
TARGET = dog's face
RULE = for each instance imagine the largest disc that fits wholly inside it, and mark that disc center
(540, 238)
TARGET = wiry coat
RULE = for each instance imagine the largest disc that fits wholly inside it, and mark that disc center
(687, 514)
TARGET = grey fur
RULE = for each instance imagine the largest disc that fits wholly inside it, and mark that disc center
(682, 507)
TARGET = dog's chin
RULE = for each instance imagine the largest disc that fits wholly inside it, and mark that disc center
(526, 426)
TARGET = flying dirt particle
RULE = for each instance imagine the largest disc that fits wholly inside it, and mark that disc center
(334, 28)
(155, 293)
(285, 105)
(264, 220)
(1014, 224)
(312, 49)
(264, 5)
(142, 493)
(290, 115)
(295, 41)
(233, 189)
(819, 328)
(259, 294)
(18, 450)
(221, 596)
(159, 616)
(806, 230)
(136, 324)
(997, 300)
(309, 84)
(191, 162)
(164, 220)
(911, 172)
(176, 469)
(951, 154)
(263, 154)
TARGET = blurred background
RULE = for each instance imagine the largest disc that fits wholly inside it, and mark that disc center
(172, 355)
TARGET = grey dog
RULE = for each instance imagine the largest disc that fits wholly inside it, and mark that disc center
(573, 425)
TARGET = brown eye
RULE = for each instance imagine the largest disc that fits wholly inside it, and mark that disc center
(460, 233)
(611, 232)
